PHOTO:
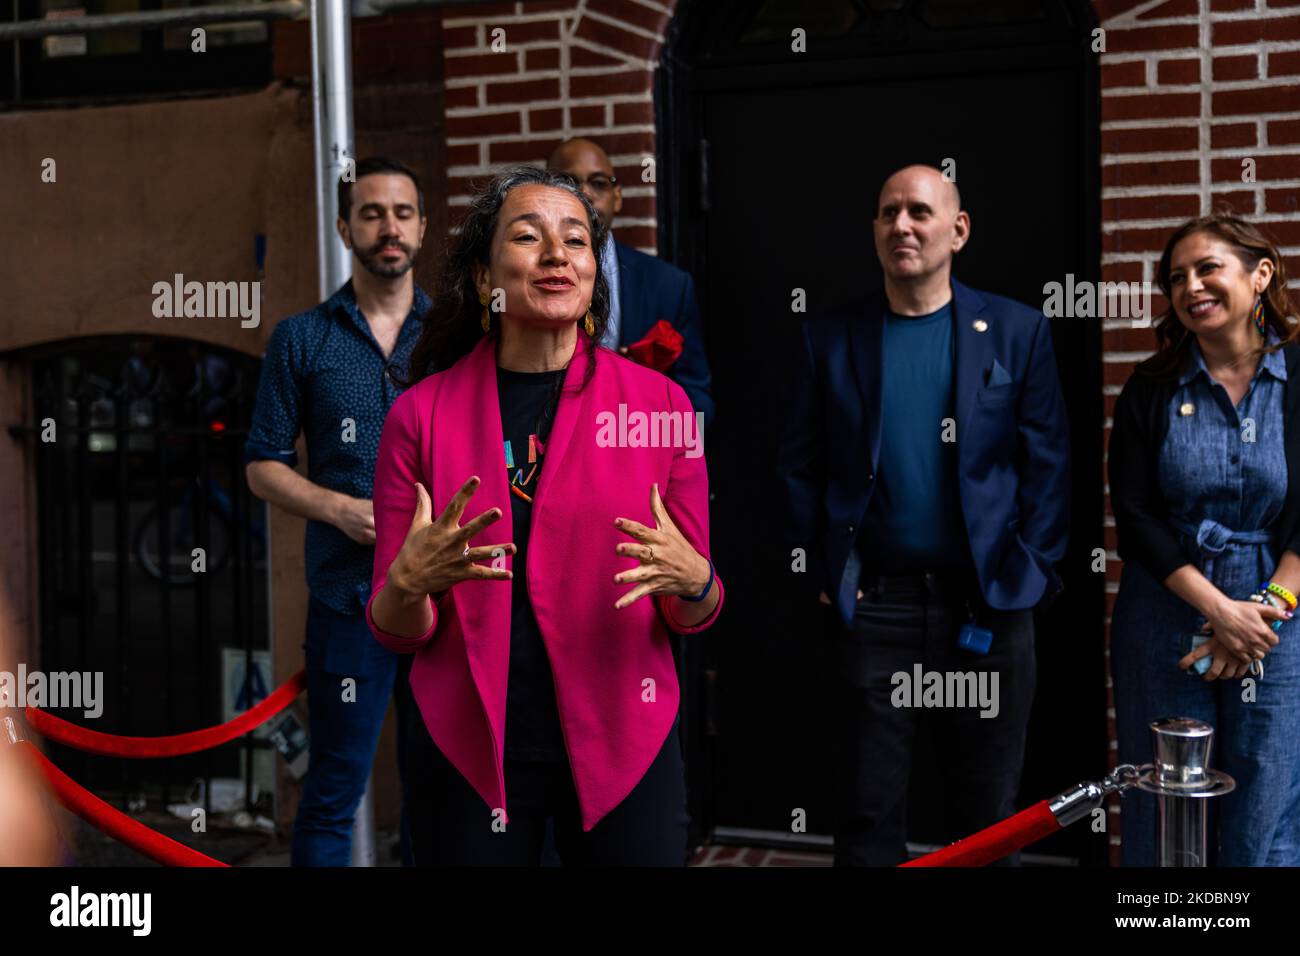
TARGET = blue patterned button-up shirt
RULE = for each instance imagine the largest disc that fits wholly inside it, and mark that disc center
(325, 374)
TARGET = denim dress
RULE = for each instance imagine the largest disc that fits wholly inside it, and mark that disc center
(1224, 493)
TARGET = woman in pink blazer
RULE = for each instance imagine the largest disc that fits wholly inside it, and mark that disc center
(543, 666)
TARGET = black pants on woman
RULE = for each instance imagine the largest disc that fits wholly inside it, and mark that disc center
(452, 826)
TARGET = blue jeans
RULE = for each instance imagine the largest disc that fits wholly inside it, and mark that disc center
(1257, 742)
(344, 728)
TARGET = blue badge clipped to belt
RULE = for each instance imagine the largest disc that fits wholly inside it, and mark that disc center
(972, 637)
(975, 639)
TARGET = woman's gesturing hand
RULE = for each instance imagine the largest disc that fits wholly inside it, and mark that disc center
(1244, 628)
(669, 565)
(436, 554)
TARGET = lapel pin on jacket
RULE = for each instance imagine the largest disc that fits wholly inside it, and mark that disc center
(1187, 408)
(979, 325)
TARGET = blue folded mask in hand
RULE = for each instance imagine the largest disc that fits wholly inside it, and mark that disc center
(1190, 643)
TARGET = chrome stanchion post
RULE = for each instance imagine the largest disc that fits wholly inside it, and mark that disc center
(1181, 779)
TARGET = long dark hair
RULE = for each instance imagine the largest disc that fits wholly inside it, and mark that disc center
(1250, 245)
(452, 326)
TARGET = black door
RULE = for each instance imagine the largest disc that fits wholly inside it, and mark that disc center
(770, 169)
(152, 550)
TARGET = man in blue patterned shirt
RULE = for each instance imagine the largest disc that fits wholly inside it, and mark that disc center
(326, 373)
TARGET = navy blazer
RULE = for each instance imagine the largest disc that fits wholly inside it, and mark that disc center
(1012, 447)
(651, 289)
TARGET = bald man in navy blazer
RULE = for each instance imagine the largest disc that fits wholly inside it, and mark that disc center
(643, 289)
(925, 469)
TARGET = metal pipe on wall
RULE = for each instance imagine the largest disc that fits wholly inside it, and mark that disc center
(331, 93)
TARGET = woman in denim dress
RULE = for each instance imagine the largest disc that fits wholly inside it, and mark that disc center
(1205, 506)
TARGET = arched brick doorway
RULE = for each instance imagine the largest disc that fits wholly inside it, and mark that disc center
(136, 445)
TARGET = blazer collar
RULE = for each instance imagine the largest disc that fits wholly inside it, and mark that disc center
(470, 442)
(632, 323)
(971, 347)
(573, 401)
(622, 251)
(480, 374)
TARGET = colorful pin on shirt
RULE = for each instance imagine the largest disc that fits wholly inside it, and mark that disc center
(520, 481)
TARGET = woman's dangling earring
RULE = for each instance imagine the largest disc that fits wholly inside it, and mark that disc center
(1258, 316)
(590, 324)
(486, 320)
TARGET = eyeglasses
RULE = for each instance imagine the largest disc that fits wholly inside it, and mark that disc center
(600, 182)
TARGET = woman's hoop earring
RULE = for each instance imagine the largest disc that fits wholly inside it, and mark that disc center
(1258, 316)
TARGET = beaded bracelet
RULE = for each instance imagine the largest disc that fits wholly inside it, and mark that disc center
(1281, 592)
(1272, 600)
(1263, 596)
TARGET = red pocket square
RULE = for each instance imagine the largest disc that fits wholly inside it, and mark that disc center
(660, 347)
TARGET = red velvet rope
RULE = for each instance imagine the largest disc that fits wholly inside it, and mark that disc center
(175, 745)
(995, 842)
(980, 849)
(161, 849)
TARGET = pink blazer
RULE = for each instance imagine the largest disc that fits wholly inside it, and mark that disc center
(446, 428)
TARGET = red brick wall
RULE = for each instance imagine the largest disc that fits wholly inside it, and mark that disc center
(584, 67)
(1190, 88)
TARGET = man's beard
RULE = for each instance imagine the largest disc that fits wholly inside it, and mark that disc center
(371, 261)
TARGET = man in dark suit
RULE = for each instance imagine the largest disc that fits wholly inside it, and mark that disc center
(924, 465)
(643, 289)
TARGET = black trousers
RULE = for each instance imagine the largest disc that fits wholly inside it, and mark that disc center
(452, 826)
(406, 709)
(900, 622)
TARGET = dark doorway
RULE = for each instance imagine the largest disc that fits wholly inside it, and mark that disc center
(137, 443)
(770, 166)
